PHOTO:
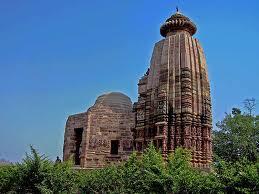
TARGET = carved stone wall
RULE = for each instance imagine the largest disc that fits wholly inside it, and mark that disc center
(174, 105)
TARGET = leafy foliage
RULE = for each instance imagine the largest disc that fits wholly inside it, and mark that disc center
(148, 173)
(60, 179)
(238, 137)
(238, 177)
(7, 177)
(105, 180)
(36, 174)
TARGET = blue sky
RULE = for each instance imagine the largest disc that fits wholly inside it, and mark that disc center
(56, 57)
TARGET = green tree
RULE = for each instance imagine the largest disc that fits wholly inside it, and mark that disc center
(153, 171)
(105, 180)
(238, 177)
(7, 177)
(60, 178)
(180, 171)
(237, 137)
(37, 174)
(31, 173)
(186, 179)
(132, 174)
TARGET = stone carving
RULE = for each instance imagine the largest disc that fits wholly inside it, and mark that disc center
(161, 107)
(179, 79)
(95, 143)
(140, 115)
(127, 145)
(174, 94)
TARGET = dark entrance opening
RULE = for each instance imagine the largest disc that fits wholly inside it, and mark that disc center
(78, 140)
(114, 147)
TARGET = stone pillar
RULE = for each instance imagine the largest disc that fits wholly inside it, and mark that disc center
(172, 139)
(165, 140)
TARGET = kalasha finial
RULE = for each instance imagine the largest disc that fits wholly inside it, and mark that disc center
(177, 9)
(177, 22)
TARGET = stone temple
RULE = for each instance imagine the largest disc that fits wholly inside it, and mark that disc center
(173, 107)
(102, 135)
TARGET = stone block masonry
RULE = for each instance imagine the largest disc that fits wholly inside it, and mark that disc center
(106, 135)
(173, 108)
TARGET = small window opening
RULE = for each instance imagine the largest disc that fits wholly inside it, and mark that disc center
(78, 140)
(114, 147)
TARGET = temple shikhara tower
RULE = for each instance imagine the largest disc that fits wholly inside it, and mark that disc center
(173, 108)
(174, 105)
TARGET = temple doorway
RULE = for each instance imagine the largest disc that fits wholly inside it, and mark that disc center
(78, 140)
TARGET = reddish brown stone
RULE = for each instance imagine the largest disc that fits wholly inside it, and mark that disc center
(175, 95)
(110, 119)
(173, 108)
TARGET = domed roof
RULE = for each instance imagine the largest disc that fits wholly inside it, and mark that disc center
(115, 100)
(178, 22)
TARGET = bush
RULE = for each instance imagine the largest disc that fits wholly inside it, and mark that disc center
(148, 173)
(106, 180)
(7, 177)
(37, 174)
(238, 177)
